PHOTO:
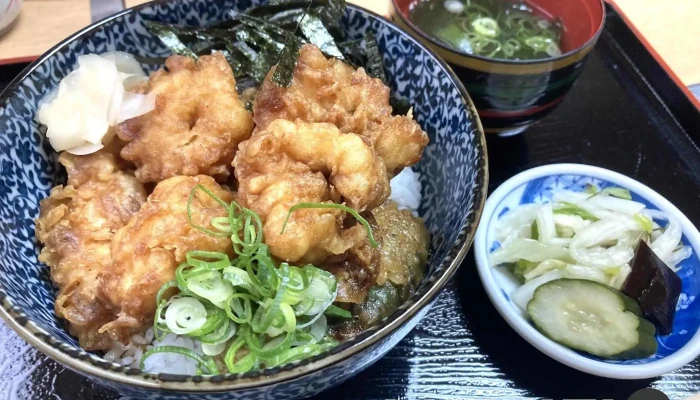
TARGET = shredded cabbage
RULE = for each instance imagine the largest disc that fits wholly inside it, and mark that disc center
(588, 235)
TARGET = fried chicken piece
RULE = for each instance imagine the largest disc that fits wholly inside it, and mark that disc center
(76, 225)
(287, 164)
(329, 90)
(197, 124)
(148, 250)
(357, 270)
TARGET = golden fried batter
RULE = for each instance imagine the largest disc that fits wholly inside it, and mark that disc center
(197, 124)
(329, 90)
(405, 243)
(76, 225)
(287, 164)
(356, 270)
(147, 251)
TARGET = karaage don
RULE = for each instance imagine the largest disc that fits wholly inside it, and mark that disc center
(311, 187)
(76, 225)
(197, 124)
(148, 250)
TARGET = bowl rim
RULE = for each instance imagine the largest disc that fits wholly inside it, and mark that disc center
(434, 42)
(91, 365)
(558, 352)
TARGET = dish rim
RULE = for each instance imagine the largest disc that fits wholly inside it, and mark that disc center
(89, 364)
(566, 356)
(433, 41)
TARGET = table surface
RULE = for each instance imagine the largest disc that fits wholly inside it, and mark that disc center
(670, 26)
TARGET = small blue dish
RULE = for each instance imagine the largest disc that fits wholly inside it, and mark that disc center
(453, 175)
(537, 186)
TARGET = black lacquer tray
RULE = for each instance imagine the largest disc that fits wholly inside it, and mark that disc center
(625, 113)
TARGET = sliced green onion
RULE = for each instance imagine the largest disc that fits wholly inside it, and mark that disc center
(266, 313)
(268, 309)
(185, 315)
(163, 289)
(184, 272)
(486, 26)
(319, 295)
(159, 319)
(209, 364)
(207, 259)
(221, 333)
(298, 353)
(212, 287)
(317, 330)
(537, 43)
(297, 287)
(213, 349)
(240, 278)
(238, 312)
(189, 210)
(215, 318)
(290, 320)
(222, 224)
(253, 342)
(336, 311)
(243, 364)
(347, 209)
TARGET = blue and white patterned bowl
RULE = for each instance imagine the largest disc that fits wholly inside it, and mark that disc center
(537, 186)
(453, 174)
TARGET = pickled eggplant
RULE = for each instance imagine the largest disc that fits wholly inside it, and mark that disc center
(403, 256)
(655, 286)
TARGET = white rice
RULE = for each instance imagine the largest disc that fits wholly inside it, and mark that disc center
(405, 191)
(171, 363)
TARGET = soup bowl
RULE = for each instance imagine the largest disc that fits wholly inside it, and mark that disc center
(453, 175)
(511, 95)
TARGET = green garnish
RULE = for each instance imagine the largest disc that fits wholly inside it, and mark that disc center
(618, 192)
(591, 189)
(347, 209)
(646, 223)
(503, 29)
(522, 267)
(336, 311)
(486, 26)
(261, 315)
(567, 208)
(534, 231)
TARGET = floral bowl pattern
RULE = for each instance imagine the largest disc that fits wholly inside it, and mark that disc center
(453, 174)
(537, 186)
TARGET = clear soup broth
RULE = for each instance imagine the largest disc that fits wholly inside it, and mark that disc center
(502, 29)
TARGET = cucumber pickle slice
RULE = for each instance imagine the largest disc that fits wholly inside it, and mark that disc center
(588, 316)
